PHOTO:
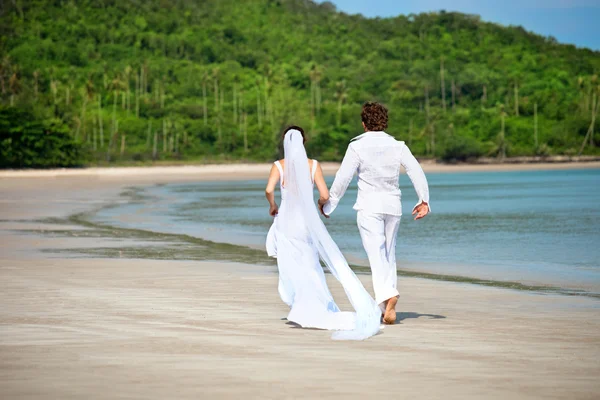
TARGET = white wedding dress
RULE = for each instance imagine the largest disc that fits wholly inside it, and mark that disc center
(298, 239)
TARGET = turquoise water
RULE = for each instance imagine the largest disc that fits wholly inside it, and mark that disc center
(537, 227)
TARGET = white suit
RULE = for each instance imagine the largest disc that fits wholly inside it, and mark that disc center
(376, 158)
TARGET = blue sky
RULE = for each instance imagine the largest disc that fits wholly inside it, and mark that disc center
(570, 21)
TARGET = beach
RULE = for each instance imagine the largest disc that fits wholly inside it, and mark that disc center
(161, 174)
(73, 326)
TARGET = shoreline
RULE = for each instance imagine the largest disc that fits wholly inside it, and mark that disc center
(72, 326)
(256, 255)
(122, 180)
(251, 171)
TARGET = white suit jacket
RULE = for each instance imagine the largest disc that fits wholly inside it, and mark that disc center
(376, 158)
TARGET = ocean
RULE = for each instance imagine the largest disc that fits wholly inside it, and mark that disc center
(534, 227)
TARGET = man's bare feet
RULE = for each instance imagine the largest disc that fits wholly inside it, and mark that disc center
(389, 317)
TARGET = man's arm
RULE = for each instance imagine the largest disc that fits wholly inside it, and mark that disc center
(419, 181)
(342, 180)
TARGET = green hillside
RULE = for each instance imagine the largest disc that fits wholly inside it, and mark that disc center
(212, 80)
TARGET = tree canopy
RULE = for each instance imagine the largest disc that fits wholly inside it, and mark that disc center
(212, 80)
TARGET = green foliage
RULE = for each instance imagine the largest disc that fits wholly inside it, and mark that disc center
(461, 148)
(218, 80)
(26, 142)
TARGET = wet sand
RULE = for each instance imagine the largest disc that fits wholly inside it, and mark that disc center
(94, 328)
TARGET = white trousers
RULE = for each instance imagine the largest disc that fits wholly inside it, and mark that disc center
(378, 233)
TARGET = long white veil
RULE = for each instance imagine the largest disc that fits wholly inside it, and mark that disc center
(300, 203)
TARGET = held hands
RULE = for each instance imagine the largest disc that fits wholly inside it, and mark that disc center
(323, 211)
(273, 210)
(421, 210)
(322, 203)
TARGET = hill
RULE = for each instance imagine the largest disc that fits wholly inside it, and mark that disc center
(218, 80)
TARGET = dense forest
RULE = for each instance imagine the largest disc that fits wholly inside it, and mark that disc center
(105, 81)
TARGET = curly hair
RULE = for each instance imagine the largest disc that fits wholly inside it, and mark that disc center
(374, 116)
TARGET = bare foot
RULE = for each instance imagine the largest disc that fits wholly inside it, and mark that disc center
(389, 317)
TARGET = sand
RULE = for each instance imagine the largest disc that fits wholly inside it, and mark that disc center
(93, 328)
(258, 171)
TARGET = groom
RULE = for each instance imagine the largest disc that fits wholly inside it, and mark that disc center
(376, 158)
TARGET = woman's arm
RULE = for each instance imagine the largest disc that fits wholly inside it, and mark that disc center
(270, 190)
(322, 188)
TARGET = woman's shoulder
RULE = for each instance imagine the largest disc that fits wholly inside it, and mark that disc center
(311, 161)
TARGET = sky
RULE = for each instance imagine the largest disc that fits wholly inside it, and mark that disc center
(569, 21)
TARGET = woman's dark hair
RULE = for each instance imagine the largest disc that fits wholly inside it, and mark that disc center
(289, 128)
(374, 116)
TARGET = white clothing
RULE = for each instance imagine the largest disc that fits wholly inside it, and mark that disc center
(376, 158)
(303, 286)
(298, 239)
(271, 241)
(378, 233)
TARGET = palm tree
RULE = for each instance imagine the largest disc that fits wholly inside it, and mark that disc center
(14, 84)
(502, 135)
(215, 75)
(144, 72)
(429, 124)
(442, 84)
(516, 91)
(590, 88)
(54, 89)
(100, 121)
(245, 130)
(484, 96)
(590, 133)
(583, 99)
(95, 136)
(149, 133)
(164, 135)
(138, 92)
(453, 96)
(268, 101)
(116, 86)
(204, 100)
(341, 94)
(87, 93)
(220, 120)
(315, 90)
(241, 110)
(89, 88)
(259, 112)
(235, 101)
(19, 9)
(36, 75)
(535, 126)
(127, 86)
(154, 146)
(4, 72)
(162, 94)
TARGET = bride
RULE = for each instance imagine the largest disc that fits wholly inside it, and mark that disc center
(298, 239)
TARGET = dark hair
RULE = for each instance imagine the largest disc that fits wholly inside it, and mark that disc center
(374, 116)
(289, 128)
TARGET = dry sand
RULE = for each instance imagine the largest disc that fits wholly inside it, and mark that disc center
(249, 171)
(115, 328)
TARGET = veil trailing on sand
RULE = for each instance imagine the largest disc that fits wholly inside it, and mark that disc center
(300, 204)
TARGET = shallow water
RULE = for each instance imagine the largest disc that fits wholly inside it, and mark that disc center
(536, 227)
